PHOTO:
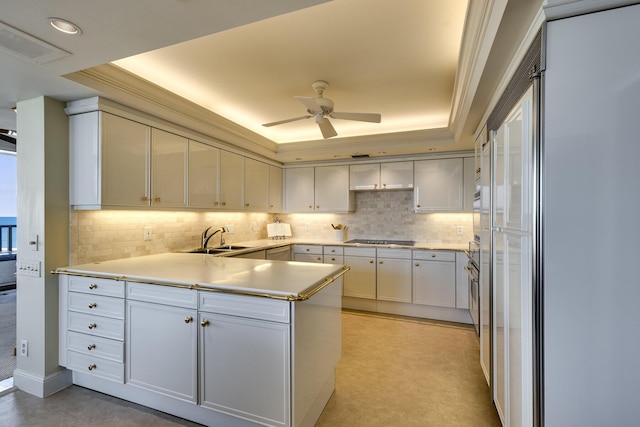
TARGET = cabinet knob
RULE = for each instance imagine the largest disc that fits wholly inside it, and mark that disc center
(93, 286)
(224, 203)
(319, 259)
(371, 262)
(384, 185)
(375, 185)
(307, 249)
(144, 198)
(317, 206)
(433, 255)
(379, 262)
(91, 347)
(188, 319)
(270, 206)
(333, 250)
(417, 264)
(310, 207)
(204, 323)
(333, 259)
(92, 326)
(92, 367)
(246, 204)
(478, 170)
(93, 305)
(417, 206)
(216, 203)
(156, 200)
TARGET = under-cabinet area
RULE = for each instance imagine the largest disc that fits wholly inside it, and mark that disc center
(217, 358)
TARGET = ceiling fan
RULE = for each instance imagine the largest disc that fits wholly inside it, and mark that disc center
(321, 108)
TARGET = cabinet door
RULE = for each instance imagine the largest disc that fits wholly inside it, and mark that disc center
(360, 281)
(394, 279)
(438, 185)
(125, 162)
(168, 169)
(396, 175)
(256, 185)
(275, 189)
(161, 345)
(231, 181)
(307, 257)
(434, 283)
(469, 183)
(332, 189)
(364, 177)
(204, 170)
(245, 368)
(462, 281)
(299, 183)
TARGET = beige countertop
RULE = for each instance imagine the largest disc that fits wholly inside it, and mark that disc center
(277, 279)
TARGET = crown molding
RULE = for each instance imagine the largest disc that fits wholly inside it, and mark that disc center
(557, 9)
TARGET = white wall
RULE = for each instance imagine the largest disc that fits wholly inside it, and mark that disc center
(43, 205)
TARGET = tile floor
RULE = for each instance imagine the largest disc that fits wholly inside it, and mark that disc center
(394, 372)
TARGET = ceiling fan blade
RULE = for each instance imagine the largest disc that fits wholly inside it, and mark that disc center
(280, 122)
(310, 103)
(326, 128)
(361, 117)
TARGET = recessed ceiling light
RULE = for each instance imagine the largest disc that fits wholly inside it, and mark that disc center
(65, 26)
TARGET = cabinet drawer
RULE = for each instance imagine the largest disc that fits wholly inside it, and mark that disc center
(366, 252)
(96, 346)
(333, 259)
(168, 295)
(394, 253)
(308, 249)
(96, 325)
(96, 304)
(93, 365)
(107, 287)
(333, 250)
(435, 255)
(243, 306)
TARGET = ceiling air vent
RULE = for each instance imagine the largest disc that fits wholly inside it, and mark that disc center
(28, 47)
(359, 156)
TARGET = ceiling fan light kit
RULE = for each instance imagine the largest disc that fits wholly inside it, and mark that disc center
(321, 107)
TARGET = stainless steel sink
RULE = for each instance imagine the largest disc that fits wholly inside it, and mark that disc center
(231, 248)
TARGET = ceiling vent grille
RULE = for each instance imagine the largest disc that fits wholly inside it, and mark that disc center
(28, 47)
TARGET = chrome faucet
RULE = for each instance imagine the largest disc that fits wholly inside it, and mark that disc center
(206, 238)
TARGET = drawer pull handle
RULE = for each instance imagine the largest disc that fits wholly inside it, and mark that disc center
(156, 200)
(93, 305)
(204, 323)
(188, 319)
(93, 286)
(91, 347)
(144, 198)
(92, 326)
(92, 367)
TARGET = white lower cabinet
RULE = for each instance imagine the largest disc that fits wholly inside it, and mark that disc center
(394, 275)
(162, 341)
(307, 253)
(244, 366)
(434, 278)
(360, 280)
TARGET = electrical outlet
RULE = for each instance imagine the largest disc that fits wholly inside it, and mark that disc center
(147, 233)
(459, 229)
(24, 348)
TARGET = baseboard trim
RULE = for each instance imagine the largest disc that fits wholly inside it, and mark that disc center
(42, 386)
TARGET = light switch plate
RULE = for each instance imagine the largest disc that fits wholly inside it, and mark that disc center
(28, 267)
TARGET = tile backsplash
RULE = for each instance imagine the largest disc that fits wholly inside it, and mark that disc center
(105, 235)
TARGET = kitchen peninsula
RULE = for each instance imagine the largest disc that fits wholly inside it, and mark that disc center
(216, 340)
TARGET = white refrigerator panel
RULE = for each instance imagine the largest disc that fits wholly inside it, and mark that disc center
(590, 206)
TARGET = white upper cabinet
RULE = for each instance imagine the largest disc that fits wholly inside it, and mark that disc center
(438, 185)
(275, 189)
(396, 175)
(332, 189)
(124, 146)
(469, 183)
(299, 189)
(204, 171)
(169, 153)
(231, 181)
(381, 176)
(256, 185)
(364, 177)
